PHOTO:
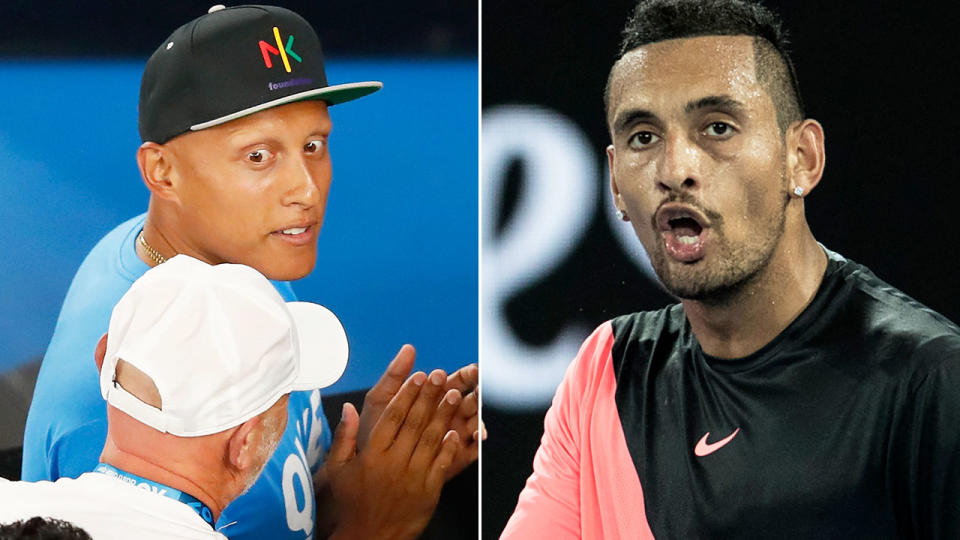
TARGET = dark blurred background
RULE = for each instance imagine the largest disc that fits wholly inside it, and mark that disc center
(59, 28)
(392, 266)
(878, 76)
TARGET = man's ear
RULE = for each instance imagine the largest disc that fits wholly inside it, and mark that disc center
(614, 188)
(243, 443)
(806, 155)
(100, 352)
(156, 165)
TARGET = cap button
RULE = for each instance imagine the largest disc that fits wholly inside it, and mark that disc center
(217, 7)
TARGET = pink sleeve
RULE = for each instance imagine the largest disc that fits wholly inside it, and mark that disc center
(584, 484)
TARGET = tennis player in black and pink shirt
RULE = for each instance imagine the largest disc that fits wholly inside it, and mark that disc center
(791, 393)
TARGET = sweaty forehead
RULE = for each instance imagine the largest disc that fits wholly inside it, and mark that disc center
(670, 73)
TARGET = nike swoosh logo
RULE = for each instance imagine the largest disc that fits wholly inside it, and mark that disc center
(704, 449)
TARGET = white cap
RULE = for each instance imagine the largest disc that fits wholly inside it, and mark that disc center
(220, 344)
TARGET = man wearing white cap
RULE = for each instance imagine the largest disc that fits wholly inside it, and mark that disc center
(234, 120)
(197, 369)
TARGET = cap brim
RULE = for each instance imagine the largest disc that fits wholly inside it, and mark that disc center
(323, 345)
(341, 93)
(338, 93)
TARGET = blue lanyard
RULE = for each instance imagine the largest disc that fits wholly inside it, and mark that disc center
(201, 509)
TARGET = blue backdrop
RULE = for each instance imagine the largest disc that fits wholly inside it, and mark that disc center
(398, 249)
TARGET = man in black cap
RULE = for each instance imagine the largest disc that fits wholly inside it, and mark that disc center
(234, 123)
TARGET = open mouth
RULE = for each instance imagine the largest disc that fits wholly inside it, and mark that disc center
(684, 231)
(298, 235)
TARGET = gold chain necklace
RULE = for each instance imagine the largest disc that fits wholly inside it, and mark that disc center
(152, 253)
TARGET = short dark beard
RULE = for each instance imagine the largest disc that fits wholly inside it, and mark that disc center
(736, 268)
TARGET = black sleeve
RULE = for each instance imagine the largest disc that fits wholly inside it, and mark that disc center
(926, 446)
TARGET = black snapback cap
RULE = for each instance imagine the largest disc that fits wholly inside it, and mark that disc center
(233, 62)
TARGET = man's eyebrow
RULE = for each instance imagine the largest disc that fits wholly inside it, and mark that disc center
(630, 116)
(714, 102)
(250, 137)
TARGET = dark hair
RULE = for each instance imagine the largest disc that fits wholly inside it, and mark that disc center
(660, 20)
(38, 528)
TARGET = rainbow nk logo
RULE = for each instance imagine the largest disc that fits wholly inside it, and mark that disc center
(284, 52)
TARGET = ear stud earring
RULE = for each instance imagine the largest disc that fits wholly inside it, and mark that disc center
(798, 191)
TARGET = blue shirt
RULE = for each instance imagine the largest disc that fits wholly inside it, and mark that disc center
(67, 422)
